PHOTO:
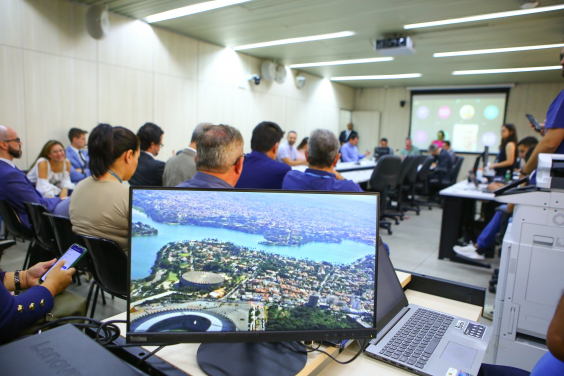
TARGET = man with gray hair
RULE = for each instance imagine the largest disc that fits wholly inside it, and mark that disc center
(322, 155)
(219, 158)
(182, 166)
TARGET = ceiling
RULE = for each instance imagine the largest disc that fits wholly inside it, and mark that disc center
(265, 20)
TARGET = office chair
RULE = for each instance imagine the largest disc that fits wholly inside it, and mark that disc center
(16, 228)
(422, 180)
(409, 185)
(385, 176)
(396, 193)
(5, 244)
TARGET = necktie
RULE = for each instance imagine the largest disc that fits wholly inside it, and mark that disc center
(82, 159)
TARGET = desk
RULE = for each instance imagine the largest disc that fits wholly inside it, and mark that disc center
(458, 199)
(183, 356)
(359, 172)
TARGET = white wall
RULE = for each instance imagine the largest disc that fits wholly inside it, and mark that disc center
(394, 123)
(54, 76)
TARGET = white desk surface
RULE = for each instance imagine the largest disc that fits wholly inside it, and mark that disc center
(361, 165)
(360, 176)
(183, 356)
(464, 189)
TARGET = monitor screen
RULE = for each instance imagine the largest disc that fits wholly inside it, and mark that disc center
(243, 266)
(469, 121)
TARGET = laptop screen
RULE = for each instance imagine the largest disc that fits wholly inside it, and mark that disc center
(250, 261)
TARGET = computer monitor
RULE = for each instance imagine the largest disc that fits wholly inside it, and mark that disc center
(212, 266)
(380, 151)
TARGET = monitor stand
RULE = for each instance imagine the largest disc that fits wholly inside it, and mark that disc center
(251, 359)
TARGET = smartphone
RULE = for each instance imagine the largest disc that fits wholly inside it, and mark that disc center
(534, 122)
(71, 257)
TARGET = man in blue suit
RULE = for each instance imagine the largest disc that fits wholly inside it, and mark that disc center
(261, 169)
(15, 187)
(77, 156)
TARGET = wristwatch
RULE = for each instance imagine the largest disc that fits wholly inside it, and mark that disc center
(17, 279)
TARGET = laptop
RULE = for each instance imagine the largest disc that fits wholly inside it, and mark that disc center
(421, 340)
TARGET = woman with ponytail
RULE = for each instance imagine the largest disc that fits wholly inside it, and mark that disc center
(100, 203)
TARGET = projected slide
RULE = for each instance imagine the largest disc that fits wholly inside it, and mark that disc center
(470, 121)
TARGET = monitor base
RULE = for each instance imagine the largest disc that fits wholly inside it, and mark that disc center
(251, 359)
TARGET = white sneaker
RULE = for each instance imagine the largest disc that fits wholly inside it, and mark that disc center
(470, 254)
(470, 248)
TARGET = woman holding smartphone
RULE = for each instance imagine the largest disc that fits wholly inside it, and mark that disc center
(18, 312)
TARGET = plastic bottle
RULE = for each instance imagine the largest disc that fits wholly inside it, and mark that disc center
(507, 176)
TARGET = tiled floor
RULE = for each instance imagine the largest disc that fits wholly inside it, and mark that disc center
(413, 247)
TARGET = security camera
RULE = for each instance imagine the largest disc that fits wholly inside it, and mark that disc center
(402, 103)
(256, 78)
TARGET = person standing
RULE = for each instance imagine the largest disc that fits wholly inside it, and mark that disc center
(344, 136)
(440, 138)
(149, 170)
(77, 155)
(507, 151)
(287, 151)
(409, 149)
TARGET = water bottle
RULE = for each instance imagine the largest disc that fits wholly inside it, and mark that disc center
(507, 176)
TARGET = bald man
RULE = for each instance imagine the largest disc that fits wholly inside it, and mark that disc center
(15, 187)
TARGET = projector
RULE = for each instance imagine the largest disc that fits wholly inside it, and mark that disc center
(394, 46)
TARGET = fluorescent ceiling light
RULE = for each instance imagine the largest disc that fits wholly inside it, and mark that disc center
(497, 50)
(343, 62)
(295, 40)
(507, 70)
(381, 77)
(192, 9)
(484, 17)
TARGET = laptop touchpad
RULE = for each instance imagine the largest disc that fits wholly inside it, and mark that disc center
(458, 355)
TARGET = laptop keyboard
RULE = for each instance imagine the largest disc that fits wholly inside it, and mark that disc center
(417, 339)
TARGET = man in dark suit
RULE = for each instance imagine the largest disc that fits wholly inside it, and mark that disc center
(443, 164)
(345, 135)
(149, 170)
(15, 187)
(261, 169)
(77, 156)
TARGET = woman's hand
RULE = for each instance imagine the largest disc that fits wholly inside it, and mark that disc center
(64, 194)
(35, 272)
(58, 279)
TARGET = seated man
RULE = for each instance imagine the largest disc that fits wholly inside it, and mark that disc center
(487, 236)
(15, 187)
(409, 149)
(287, 151)
(261, 170)
(182, 166)
(446, 146)
(219, 158)
(149, 170)
(322, 155)
(443, 164)
(77, 156)
(349, 151)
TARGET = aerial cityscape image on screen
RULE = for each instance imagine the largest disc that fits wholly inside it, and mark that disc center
(209, 261)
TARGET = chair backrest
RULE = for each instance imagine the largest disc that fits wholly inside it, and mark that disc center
(425, 169)
(412, 173)
(456, 169)
(12, 221)
(41, 226)
(406, 165)
(64, 236)
(108, 264)
(385, 176)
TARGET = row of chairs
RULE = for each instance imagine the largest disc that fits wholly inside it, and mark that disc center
(105, 260)
(400, 181)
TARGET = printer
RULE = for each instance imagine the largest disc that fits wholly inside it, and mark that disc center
(531, 272)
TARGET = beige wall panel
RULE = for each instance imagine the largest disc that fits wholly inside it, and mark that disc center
(60, 93)
(130, 44)
(218, 65)
(125, 96)
(12, 105)
(296, 117)
(215, 103)
(10, 23)
(175, 54)
(57, 27)
(244, 116)
(175, 112)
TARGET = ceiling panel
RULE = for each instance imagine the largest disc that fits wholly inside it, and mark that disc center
(265, 20)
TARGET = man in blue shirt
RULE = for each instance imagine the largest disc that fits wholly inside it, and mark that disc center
(261, 170)
(322, 155)
(287, 151)
(349, 151)
(77, 156)
(219, 158)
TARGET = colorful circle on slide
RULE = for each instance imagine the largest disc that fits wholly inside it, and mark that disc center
(422, 112)
(489, 139)
(467, 112)
(420, 136)
(444, 112)
(491, 112)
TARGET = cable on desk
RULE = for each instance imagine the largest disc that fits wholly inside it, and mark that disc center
(140, 361)
(362, 347)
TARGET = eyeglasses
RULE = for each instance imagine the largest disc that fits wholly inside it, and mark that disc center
(237, 160)
(15, 139)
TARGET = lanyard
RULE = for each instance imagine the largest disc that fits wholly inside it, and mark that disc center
(318, 176)
(115, 175)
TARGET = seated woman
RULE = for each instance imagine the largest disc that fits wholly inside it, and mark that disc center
(51, 171)
(22, 311)
(302, 147)
(100, 203)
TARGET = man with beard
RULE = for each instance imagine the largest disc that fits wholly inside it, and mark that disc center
(149, 171)
(15, 187)
(287, 151)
